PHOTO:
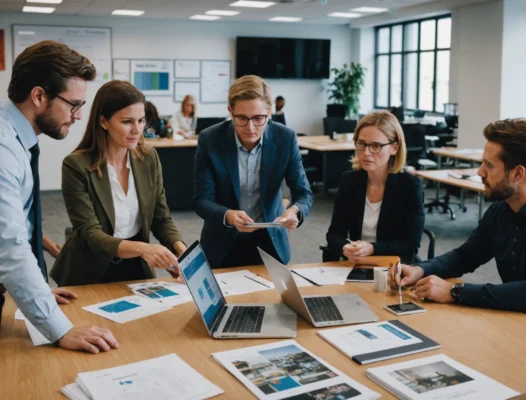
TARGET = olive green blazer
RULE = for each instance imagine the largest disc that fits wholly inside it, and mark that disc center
(91, 249)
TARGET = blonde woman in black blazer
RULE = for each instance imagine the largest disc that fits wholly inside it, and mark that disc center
(379, 207)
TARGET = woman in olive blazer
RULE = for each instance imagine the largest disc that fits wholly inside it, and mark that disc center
(113, 141)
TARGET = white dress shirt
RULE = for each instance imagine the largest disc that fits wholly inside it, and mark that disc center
(370, 220)
(127, 213)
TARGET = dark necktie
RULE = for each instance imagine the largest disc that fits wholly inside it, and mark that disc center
(37, 239)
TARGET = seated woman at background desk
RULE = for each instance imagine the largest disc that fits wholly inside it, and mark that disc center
(379, 208)
(113, 190)
(186, 117)
(155, 124)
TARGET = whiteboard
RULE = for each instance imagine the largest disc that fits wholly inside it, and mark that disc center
(187, 69)
(182, 88)
(121, 69)
(93, 43)
(215, 81)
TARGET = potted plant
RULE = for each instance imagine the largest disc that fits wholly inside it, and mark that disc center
(346, 87)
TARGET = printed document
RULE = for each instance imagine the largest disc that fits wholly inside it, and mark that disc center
(127, 308)
(325, 275)
(242, 282)
(286, 370)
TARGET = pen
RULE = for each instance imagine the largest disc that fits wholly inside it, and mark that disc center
(261, 283)
(400, 287)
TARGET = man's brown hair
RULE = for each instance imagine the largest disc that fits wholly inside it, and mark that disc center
(511, 135)
(47, 64)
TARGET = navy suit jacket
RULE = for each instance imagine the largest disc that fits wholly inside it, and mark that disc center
(217, 188)
(401, 220)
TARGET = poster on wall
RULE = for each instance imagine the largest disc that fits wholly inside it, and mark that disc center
(121, 69)
(93, 43)
(153, 77)
(187, 69)
(2, 50)
(215, 81)
(182, 88)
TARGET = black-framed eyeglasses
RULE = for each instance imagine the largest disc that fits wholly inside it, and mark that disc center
(74, 106)
(374, 147)
(257, 120)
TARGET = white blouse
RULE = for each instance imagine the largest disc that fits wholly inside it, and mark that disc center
(186, 124)
(127, 214)
(370, 220)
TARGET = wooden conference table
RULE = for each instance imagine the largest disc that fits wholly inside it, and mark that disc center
(491, 342)
(335, 154)
(177, 160)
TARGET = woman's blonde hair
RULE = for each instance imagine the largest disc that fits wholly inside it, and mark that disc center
(110, 98)
(249, 87)
(388, 124)
(186, 99)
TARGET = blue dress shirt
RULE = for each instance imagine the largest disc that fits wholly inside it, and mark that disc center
(19, 271)
(249, 163)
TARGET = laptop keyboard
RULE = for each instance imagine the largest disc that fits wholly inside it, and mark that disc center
(323, 309)
(245, 319)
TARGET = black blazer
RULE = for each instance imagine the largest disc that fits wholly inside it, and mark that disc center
(401, 220)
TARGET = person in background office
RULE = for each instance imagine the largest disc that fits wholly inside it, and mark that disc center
(501, 233)
(186, 117)
(379, 207)
(280, 103)
(154, 122)
(48, 87)
(239, 167)
(113, 191)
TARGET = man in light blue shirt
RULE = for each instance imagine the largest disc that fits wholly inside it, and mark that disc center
(46, 92)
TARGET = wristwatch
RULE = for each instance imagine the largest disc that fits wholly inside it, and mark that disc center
(456, 292)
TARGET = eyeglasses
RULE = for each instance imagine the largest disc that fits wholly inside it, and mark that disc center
(74, 106)
(258, 120)
(374, 147)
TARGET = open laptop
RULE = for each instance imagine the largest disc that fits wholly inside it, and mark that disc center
(237, 320)
(320, 311)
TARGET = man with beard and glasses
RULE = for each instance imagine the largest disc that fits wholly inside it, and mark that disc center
(47, 90)
(501, 233)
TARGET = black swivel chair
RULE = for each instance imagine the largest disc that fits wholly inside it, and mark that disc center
(338, 125)
(415, 141)
(279, 118)
(205, 122)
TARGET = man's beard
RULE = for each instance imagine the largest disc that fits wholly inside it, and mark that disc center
(502, 191)
(49, 126)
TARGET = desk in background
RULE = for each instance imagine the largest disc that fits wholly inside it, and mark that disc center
(471, 155)
(177, 160)
(492, 342)
(335, 154)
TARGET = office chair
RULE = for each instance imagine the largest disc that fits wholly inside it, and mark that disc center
(338, 125)
(398, 112)
(415, 140)
(279, 118)
(328, 255)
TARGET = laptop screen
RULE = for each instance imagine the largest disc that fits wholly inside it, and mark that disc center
(202, 283)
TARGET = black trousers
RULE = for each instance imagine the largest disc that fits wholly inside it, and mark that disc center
(245, 249)
(128, 269)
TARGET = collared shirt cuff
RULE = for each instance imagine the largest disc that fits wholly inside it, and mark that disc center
(225, 223)
(299, 213)
(56, 326)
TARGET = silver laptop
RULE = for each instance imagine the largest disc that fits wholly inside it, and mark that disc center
(320, 311)
(237, 320)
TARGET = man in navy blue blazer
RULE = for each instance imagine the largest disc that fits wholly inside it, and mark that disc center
(239, 167)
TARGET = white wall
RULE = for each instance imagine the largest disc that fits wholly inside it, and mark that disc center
(513, 83)
(478, 31)
(141, 38)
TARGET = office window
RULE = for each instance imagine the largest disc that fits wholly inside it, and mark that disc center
(412, 64)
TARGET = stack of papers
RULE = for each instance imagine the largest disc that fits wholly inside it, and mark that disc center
(286, 370)
(324, 275)
(166, 377)
(242, 282)
(378, 341)
(36, 337)
(438, 377)
(170, 293)
(127, 308)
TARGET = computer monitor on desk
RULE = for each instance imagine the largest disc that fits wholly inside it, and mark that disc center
(205, 122)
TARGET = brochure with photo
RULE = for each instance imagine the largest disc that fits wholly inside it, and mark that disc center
(286, 370)
(378, 341)
(438, 377)
(127, 308)
(170, 293)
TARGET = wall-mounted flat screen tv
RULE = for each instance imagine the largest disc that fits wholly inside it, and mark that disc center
(282, 58)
